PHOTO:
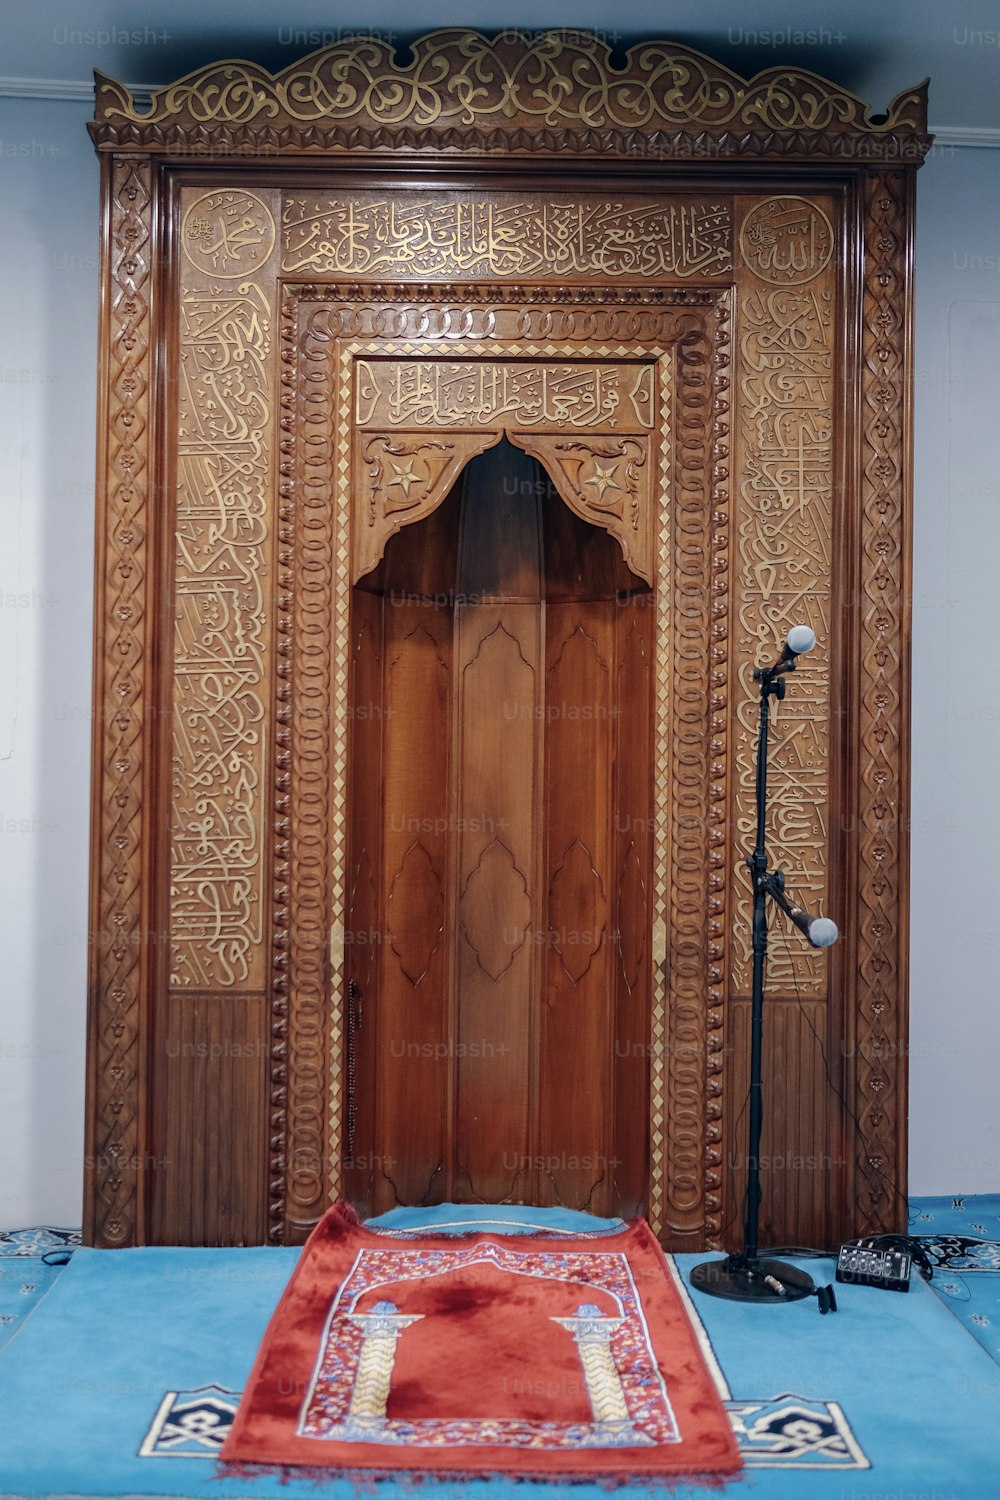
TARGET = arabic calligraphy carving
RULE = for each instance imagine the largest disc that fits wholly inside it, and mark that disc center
(787, 241)
(503, 236)
(222, 621)
(444, 393)
(784, 524)
(228, 234)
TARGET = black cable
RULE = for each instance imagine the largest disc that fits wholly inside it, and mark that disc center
(740, 1212)
(942, 1288)
(804, 1252)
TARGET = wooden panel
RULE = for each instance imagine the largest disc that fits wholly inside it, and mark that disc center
(118, 1060)
(223, 584)
(220, 895)
(577, 1043)
(787, 320)
(412, 1005)
(691, 774)
(498, 740)
(800, 1157)
(209, 1118)
(505, 236)
(364, 934)
(630, 868)
(881, 1008)
(311, 690)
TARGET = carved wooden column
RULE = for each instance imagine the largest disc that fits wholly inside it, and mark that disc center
(119, 966)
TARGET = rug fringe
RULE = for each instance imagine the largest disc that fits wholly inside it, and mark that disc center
(366, 1479)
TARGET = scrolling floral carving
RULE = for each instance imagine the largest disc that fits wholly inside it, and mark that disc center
(881, 1083)
(607, 483)
(402, 478)
(113, 1129)
(461, 90)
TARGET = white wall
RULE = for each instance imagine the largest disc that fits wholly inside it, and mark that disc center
(48, 330)
(48, 309)
(955, 917)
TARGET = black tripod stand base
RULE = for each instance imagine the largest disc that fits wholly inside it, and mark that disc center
(763, 1281)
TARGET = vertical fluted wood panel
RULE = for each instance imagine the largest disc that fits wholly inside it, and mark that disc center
(800, 1159)
(575, 1147)
(209, 1120)
(631, 871)
(497, 740)
(364, 935)
(412, 1006)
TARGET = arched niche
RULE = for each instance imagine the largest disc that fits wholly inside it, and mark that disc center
(500, 780)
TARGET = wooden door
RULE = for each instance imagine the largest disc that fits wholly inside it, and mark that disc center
(499, 767)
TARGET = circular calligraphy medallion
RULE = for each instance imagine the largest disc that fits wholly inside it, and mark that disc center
(229, 234)
(786, 241)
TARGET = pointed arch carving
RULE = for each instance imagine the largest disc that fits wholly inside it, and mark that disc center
(403, 478)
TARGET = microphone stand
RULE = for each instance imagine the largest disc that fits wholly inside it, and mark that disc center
(744, 1276)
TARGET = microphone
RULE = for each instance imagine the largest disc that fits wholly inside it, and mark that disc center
(798, 641)
(820, 932)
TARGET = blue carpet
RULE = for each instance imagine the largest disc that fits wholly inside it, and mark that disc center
(30, 1261)
(962, 1237)
(124, 1379)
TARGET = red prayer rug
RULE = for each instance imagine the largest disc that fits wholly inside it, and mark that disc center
(550, 1357)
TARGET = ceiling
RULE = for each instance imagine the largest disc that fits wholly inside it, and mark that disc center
(873, 49)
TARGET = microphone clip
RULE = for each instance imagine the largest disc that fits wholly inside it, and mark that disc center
(800, 639)
(771, 681)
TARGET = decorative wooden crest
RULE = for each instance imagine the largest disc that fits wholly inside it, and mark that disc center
(530, 95)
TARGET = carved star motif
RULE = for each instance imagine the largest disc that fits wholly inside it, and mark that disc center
(404, 477)
(603, 479)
